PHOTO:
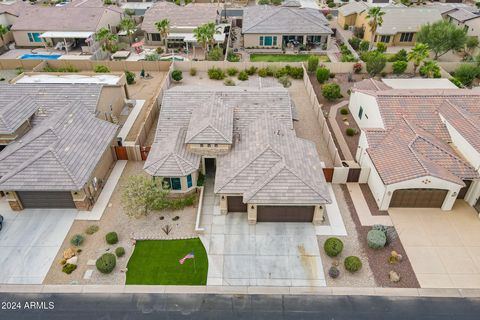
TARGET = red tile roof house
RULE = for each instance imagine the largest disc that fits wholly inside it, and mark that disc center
(421, 145)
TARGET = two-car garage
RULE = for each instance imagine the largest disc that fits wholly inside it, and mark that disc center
(418, 198)
(46, 199)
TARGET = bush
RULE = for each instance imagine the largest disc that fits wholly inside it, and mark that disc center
(331, 91)
(322, 74)
(263, 72)
(229, 82)
(399, 67)
(69, 268)
(232, 57)
(364, 45)
(111, 237)
(243, 76)
(381, 47)
(352, 263)
(357, 67)
(354, 42)
(294, 72)
(333, 272)
(101, 69)
(193, 72)
(344, 111)
(77, 240)
(159, 50)
(399, 56)
(312, 63)
(130, 76)
(376, 239)
(120, 252)
(380, 227)
(376, 61)
(232, 71)
(251, 71)
(200, 179)
(215, 54)
(350, 132)
(456, 82)
(216, 73)
(332, 5)
(466, 73)
(430, 69)
(106, 263)
(177, 75)
(284, 81)
(91, 229)
(152, 57)
(333, 246)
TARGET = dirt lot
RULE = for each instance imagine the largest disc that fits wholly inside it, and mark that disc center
(114, 219)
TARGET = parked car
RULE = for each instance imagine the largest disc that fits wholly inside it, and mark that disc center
(1, 222)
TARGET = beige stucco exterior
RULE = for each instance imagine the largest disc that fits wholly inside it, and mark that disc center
(112, 99)
(6, 139)
(208, 149)
(252, 41)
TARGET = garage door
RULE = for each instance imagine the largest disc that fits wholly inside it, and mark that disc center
(418, 198)
(46, 199)
(285, 213)
(235, 204)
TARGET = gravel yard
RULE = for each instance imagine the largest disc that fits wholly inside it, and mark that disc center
(114, 219)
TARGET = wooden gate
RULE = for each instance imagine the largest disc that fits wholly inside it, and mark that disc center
(144, 152)
(328, 173)
(121, 153)
(353, 174)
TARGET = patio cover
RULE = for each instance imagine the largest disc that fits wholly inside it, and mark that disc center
(190, 37)
(67, 34)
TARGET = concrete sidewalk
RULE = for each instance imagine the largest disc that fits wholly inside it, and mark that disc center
(363, 211)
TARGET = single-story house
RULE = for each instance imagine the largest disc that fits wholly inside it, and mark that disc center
(288, 25)
(400, 24)
(65, 27)
(244, 140)
(421, 145)
(183, 20)
(9, 13)
(466, 18)
(56, 141)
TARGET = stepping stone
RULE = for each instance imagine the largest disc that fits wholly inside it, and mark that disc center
(91, 262)
(88, 274)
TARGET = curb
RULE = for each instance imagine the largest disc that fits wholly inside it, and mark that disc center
(338, 291)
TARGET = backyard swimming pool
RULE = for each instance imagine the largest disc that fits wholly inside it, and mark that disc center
(30, 56)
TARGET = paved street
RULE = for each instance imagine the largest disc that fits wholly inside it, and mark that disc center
(192, 306)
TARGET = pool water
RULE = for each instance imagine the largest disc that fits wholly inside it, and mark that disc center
(29, 56)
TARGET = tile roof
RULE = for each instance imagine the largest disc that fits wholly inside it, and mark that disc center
(191, 15)
(407, 19)
(286, 20)
(68, 18)
(462, 15)
(59, 154)
(263, 138)
(353, 7)
(370, 84)
(16, 113)
(211, 123)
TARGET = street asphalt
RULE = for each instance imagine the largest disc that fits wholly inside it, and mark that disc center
(229, 307)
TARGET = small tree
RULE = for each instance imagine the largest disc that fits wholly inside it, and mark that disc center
(399, 67)
(129, 26)
(312, 63)
(441, 37)
(419, 53)
(140, 194)
(375, 62)
(331, 91)
(466, 73)
(470, 45)
(3, 32)
(177, 75)
(381, 47)
(323, 74)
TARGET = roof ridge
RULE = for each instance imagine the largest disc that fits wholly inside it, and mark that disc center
(461, 112)
(262, 182)
(64, 166)
(294, 172)
(274, 12)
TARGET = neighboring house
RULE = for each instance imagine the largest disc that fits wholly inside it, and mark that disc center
(421, 145)
(74, 26)
(183, 20)
(289, 25)
(8, 15)
(400, 24)
(244, 140)
(468, 19)
(58, 144)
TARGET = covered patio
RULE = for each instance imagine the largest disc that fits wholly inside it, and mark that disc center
(70, 41)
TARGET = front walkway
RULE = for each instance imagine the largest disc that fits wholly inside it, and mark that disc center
(442, 246)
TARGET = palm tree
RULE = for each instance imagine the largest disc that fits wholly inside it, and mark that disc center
(108, 38)
(375, 14)
(128, 25)
(419, 53)
(205, 35)
(163, 28)
(3, 31)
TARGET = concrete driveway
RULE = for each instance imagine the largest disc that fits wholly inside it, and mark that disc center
(265, 254)
(29, 242)
(443, 246)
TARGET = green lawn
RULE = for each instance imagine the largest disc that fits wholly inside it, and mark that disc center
(256, 57)
(156, 262)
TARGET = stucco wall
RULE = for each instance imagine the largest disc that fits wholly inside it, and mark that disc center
(21, 39)
(111, 96)
(371, 117)
(253, 40)
(204, 149)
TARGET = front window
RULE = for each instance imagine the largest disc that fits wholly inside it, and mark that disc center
(406, 37)
(189, 181)
(155, 37)
(34, 37)
(172, 183)
(385, 39)
(268, 41)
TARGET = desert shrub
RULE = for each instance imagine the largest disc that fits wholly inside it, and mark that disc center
(352, 263)
(322, 74)
(312, 63)
(91, 229)
(430, 69)
(333, 246)
(263, 72)
(399, 56)
(99, 68)
(364, 45)
(344, 111)
(77, 240)
(284, 81)
(229, 82)
(295, 72)
(120, 252)
(357, 67)
(276, 2)
(350, 132)
(466, 73)
(106, 263)
(251, 71)
(69, 268)
(399, 67)
(232, 56)
(333, 272)
(331, 91)
(111, 237)
(381, 47)
(193, 72)
(159, 50)
(375, 61)
(456, 82)
(216, 73)
(152, 57)
(243, 76)
(329, 16)
(130, 77)
(354, 42)
(177, 75)
(232, 71)
(215, 54)
(376, 239)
